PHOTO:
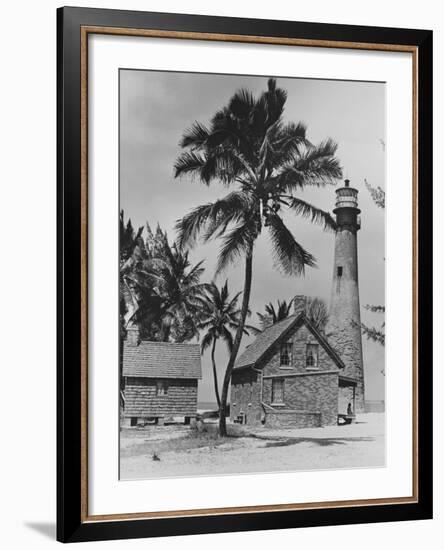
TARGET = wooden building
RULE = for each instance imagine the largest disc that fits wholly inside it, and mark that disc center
(290, 376)
(160, 380)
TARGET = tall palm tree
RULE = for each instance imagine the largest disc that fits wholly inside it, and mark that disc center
(249, 147)
(220, 317)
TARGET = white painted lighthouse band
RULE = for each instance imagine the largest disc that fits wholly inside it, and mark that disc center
(344, 325)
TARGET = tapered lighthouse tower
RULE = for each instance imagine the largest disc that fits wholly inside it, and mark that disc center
(343, 329)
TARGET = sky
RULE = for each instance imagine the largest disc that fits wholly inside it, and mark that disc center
(155, 109)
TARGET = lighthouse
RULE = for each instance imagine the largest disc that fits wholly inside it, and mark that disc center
(344, 325)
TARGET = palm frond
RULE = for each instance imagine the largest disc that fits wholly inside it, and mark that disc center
(228, 338)
(206, 342)
(288, 254)
(195, 137)
(189, 227)
(189, 162)
(288, 143)
(270, 311)
(231, 209)
(229, 131)
(278, 313)
(273, 101)
(211, 216)
(193, 276)
(235, 244)
(242, 104)
(314, 214)
(320, 163)
(233, 303)
(315, 166)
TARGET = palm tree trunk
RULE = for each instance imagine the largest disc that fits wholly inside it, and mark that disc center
(165, 333)
(237, 341)
(216, 384)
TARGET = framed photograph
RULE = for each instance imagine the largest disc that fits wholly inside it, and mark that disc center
(244, 274)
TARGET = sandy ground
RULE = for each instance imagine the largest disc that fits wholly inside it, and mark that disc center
(180, 451)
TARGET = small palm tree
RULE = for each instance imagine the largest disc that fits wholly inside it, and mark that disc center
(220, 318)
(250, 148)
(275, 313)
(316, 311)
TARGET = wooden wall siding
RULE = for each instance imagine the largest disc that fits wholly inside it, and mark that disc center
(245, 396)
(141, 399)
(271, 363)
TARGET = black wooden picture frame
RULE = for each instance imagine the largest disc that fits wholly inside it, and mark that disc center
(73, 522)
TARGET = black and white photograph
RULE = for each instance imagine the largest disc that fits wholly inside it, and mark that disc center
(222, 307)
(252, 274)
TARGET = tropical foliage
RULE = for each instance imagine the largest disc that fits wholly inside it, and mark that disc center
(264, 162)
(160, 290)
(375, 334)
(377, 194)
(274, 314)
(219, 319)
(131, 245)
(316, 311)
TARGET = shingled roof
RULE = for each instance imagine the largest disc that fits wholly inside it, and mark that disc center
(267, 338)
(162, 360)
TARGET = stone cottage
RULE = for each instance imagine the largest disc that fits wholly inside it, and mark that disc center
(289, 376)
(160, 380)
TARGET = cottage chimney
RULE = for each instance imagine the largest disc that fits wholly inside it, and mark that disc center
(133, 335)
(266, 322)
(299, 304)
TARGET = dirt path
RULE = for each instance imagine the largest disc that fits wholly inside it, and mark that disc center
(178, 452)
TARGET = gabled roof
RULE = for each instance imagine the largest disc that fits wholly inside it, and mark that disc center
(271, 335)
(162, 360)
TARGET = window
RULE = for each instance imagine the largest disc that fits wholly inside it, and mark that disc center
(311, 358)
(339, 271)
(162, 387)
(286, 354)
(277, 390)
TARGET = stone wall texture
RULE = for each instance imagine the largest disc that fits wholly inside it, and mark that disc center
(345, 397)
(245, 397)
(315, 393)
(293, 420)
(343, 330)
(310, 396)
